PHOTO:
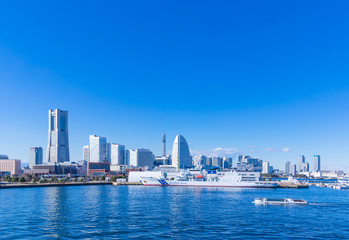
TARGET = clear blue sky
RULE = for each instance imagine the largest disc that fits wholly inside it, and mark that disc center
(266, 78)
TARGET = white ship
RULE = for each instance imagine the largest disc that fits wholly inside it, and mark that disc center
(284, 201)
(230, 179)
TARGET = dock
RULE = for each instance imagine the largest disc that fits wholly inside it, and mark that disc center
(126, 183)
(292, 185)
(31, 185)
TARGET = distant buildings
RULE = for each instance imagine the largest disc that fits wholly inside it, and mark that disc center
(58, 144)
(98, 149)
(317, 166)
(249, 164)
(35, 156)
(181, 158)
(301, 161)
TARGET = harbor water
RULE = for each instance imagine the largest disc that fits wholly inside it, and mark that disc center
(123, 212)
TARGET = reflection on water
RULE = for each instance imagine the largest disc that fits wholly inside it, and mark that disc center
(109, 212)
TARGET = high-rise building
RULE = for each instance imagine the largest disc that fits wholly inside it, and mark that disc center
(287, 168)
(98, 149)
(216, 161)
(293, 169)
(305, 167)
(141, 158)
(13, 166)
(58, 144)
(117, 154)
(180, 153)
(317, 166)
(301, 160)
(266, 168)
(35, 156)
(164, 145)
(209, 161)
(86, 153)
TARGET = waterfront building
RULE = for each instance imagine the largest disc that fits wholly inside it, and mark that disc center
(301, 161)
(287, 168)
(293, 169)
(317, 166)
(266, 168)
(13, 166)
(117, 154)
(180, 153)
(58, 144)
(35, 156)
(98, 168)
(98, 149)
(86, 153)
(141, 158)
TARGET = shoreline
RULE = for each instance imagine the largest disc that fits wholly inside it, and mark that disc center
(31, 185)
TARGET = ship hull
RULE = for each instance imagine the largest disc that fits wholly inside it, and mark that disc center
(166, 183)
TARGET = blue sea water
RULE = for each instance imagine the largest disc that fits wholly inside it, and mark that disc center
(123, 212)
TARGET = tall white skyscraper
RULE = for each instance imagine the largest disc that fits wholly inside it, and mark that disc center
(287, 168)
(317, 166)
(86, 153)
(118, 154)
(180, 153)
(98, 149)
(35, 156)
(58, 144)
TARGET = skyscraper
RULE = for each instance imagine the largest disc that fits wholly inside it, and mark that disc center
(317, 166)
(58, 144)
(117, 154)
(265, 168)
(164, 145)
(180, 153)
(287, 168)
(98, 149)
(86, 153)
(293, 169)
(301, 161)
(141, 158)
(35, 156)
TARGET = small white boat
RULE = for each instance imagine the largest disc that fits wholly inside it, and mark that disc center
(282, 201)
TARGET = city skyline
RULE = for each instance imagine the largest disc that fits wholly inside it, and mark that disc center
(268, 80)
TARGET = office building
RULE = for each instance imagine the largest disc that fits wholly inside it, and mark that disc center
(317, 166)
(163, 145)
(293, 169)
(58, 144)
(3, 156)
(86, 153)
(181, 158)
(266, 168)
(98, 149)
(35, 156)
(287, 168)
(301, 161)
(117, 154)
(141, 158)
(305, 167)
(12, 166)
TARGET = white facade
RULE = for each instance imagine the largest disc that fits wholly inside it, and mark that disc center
(117, 154)
(266, 168)
(86, 153)
(98, 149)
(58, 144)
(180, 153)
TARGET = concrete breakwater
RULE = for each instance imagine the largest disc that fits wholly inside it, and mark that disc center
(30, 185)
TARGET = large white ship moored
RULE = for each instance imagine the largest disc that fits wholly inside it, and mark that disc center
(230, 179)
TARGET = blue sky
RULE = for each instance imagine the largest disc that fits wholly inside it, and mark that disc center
(265, 78)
